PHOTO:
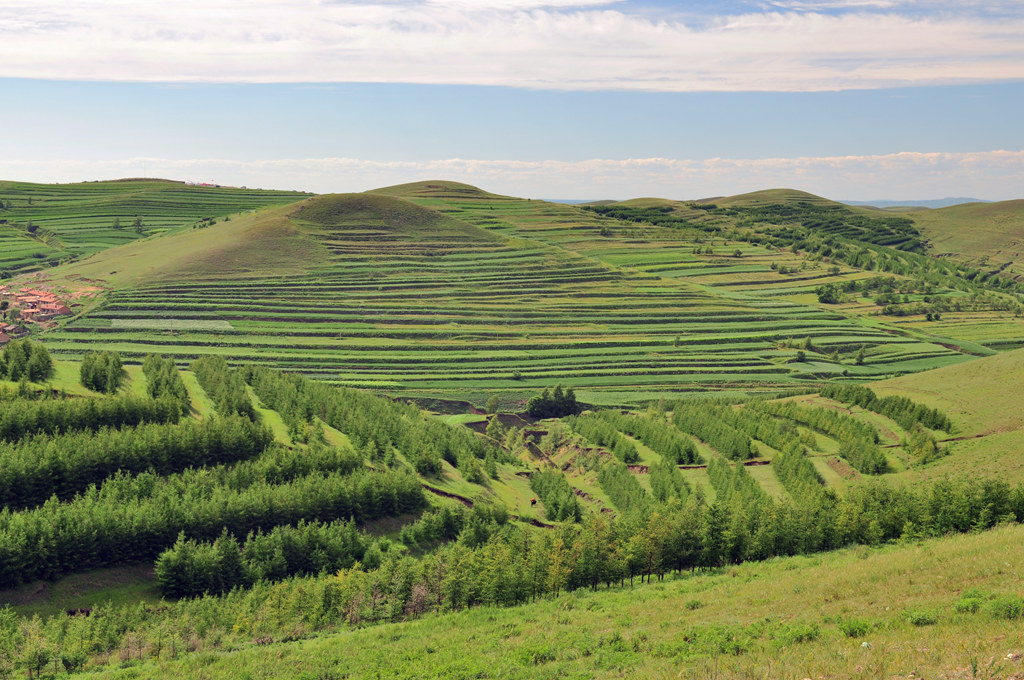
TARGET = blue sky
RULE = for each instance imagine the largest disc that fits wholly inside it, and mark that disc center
(853, 99)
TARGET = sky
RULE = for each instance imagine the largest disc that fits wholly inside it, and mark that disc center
(571, 99)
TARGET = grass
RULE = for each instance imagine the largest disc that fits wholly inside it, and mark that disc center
(982, 234)
(75, 220)
(855, 613)
(126, 585)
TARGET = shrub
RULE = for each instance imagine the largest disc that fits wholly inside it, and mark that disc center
(922, 617)
(854, 628)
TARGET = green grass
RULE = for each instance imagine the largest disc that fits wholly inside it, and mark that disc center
(846, 614)
(76, 220)
(127, 585)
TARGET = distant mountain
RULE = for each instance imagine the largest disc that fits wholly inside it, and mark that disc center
(933, 203)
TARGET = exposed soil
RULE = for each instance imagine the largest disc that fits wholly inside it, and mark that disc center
(447, 494)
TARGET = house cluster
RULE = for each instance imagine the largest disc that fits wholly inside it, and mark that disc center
(34, 306)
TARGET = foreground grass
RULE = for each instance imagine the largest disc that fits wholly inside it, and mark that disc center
(855, 613)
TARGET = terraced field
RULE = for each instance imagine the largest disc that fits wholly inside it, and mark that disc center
(464, 294)
(43, 224)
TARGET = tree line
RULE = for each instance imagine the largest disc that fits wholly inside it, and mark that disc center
(858, 441)
(39, 467)
(132, 518)
(24, 359)
(21, 418)
(600, 432)
(558, 496)
(102, 372)
(902, 410)
(375, 425)
(191, 568)
(622, 487)
(656, 434)
(163, 380)
(707, 422)
(225, 387)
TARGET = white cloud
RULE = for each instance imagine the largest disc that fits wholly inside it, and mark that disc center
(567, 44)
(909, 175)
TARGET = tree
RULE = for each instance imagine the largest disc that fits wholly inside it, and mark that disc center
(492, 404)
(137, 225)
(117, 223)
(494, 429)
(40, 365)
(829, 294)
(860, 356)
(553, 404)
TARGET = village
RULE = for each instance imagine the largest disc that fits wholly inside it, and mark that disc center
(27, 306)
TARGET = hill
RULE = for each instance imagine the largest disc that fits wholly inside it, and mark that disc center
(772, 197)
(261, 244)
(435, 189)
(43, 224)
(989, 236)
(975, 395)
(470, 295)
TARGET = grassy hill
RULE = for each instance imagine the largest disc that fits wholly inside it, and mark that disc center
(43, 224)
(455, 293)
(990, 434)
(986, 235)
(772, 197)
(898, 611)
(261, 244)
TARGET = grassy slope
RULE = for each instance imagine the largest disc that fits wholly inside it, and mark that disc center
(76, 220)
(266, 243)
(982, 398)
(990, 233)
(778, 619)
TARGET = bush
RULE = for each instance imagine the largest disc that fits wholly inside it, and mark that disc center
(854, 628)
(1006, 607)
(795, 633)
(922, 617)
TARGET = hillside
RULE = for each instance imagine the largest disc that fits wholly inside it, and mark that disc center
(307, 511)
(977, 396)
(893, 612)
(455, 293)
(985, 235)
(43, 224)
(261, 244)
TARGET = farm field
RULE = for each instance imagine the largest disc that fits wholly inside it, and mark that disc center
(439, 290)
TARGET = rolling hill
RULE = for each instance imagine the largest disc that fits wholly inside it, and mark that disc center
(443, 290)
(43, 224)
(737, 513)
(984, 235)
